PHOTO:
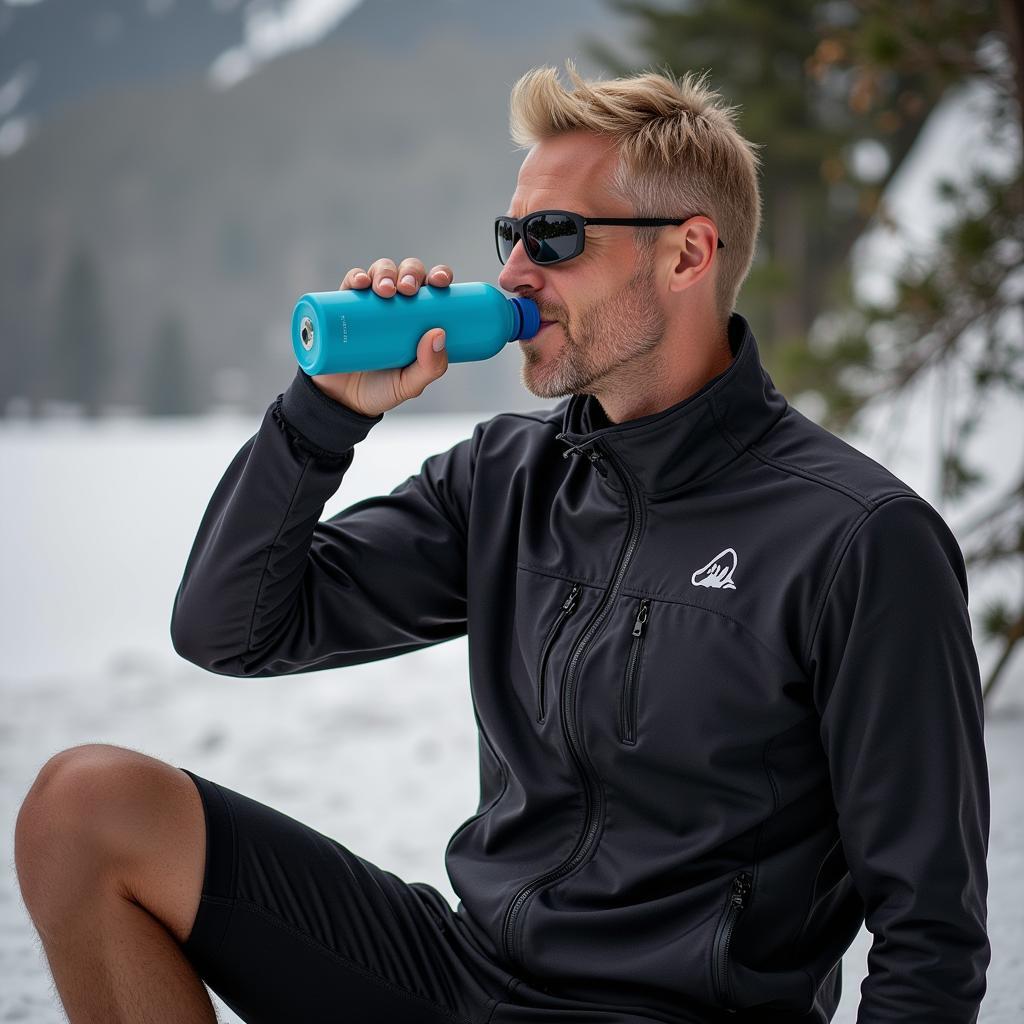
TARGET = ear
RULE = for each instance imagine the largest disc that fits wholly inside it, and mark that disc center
(689, 251)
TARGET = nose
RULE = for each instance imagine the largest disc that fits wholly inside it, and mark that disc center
(520, 270)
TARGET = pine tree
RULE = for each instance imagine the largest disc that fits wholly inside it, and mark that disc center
(957, 312)
(80, 365)
(170, 383)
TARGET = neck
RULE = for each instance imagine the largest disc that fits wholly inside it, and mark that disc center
(670, 375)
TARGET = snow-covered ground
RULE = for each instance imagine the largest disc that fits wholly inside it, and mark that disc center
(96, 524)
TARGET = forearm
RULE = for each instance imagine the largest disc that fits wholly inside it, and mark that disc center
(241, 581)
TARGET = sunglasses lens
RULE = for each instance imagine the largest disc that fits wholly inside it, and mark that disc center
(506, 239)
(548, 237)
(552, 237)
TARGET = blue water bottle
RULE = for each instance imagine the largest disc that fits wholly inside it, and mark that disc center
(357, 329)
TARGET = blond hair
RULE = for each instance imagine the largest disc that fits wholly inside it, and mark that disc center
(679, 154)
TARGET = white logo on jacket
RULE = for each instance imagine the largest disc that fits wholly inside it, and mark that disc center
(718, 572)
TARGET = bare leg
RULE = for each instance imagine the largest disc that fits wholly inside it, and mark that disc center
(110, 849)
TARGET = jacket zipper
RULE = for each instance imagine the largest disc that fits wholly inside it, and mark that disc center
(591, 788)
(568, 607)
(628, 704)
(737, 901)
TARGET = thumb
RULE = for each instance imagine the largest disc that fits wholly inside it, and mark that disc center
(439, 347)
(426, 368)
(438, 352)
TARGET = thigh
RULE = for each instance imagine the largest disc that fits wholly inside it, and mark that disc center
(292, 925)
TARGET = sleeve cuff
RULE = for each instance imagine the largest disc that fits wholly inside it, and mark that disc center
(328, 424)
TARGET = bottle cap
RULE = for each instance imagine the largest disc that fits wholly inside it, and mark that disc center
(527, 318)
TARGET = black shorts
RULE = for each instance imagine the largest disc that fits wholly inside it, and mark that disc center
(295, 927)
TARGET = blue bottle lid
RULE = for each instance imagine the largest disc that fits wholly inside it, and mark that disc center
(527, 318)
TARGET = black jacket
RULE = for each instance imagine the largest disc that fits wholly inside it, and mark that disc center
(722, 667)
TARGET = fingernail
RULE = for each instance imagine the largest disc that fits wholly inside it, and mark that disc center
(386, 280)
(438, 341)
(408, 279)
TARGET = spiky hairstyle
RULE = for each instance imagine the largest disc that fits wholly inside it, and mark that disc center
(680, 153)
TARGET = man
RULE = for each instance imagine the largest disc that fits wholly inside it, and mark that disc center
(721, 663)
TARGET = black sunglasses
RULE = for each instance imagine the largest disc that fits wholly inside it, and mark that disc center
(554, 236)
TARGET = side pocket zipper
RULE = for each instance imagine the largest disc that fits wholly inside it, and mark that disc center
(737, 901)
(568, 607)
(628, 702)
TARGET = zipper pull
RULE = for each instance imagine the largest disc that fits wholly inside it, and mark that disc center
(596, 455)
(570, 601)
(641, 619)
(740, 889)
(588, 448)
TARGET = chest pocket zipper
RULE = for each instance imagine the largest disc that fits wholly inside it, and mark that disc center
(628, 701)
(568, 607)
(720, 968)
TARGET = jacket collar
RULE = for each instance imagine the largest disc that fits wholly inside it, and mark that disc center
(688, 440)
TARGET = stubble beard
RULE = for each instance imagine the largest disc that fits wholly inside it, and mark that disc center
(612, 335)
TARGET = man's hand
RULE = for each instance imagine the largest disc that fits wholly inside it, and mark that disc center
(372, 392)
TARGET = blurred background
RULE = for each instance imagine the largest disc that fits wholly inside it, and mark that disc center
(174, 175)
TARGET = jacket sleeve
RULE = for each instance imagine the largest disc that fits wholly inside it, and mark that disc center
(896, 683)
(268, 589)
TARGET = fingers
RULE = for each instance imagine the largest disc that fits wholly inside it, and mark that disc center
(441, 276)
(412, 274)
(355, 278)
(384, 274)
(388, 279)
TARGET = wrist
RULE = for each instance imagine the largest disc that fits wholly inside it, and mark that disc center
(326, 421)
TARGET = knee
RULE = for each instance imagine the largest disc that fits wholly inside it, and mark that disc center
(68, 815)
